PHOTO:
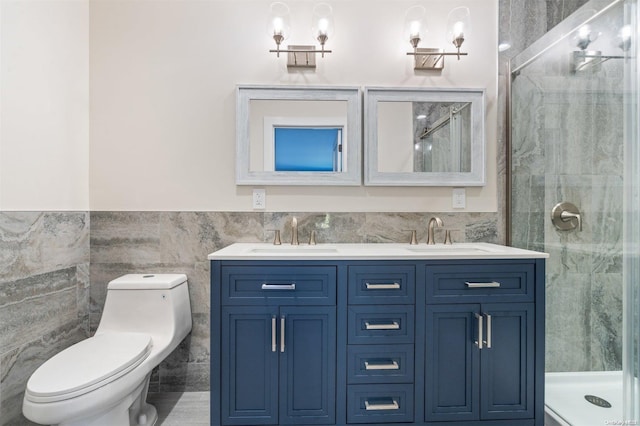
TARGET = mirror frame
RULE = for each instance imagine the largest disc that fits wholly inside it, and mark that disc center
(353, 174)
(373, 177)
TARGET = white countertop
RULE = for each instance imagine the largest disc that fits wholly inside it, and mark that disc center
(376, 251)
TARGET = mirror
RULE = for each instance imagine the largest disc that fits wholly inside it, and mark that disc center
(298, 136)
(424, 137)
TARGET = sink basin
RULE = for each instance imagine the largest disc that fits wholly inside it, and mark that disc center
(293, 250)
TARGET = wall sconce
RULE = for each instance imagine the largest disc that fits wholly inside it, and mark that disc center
(300, 56)
(592, 59)
(431, 58)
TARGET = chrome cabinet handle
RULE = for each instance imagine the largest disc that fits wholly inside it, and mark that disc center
(274, 345)
(382, 286)
(282, 334)
(267, 286)
(395, 325)
(480, 329)
(372, 406)
(488, 341)
(392, 365)
(492, 284)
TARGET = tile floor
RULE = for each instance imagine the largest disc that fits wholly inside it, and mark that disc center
(181, 409)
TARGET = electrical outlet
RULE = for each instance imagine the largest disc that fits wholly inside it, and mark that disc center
(259, 198)
(459, 198)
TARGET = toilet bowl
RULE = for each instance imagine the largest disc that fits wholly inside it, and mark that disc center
(103, 380)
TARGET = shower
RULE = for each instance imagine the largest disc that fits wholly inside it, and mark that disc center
(573, 185)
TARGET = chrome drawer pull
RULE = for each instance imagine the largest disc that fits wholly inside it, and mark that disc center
(393, 406)
(391, 366)
(382, 286)
(395, 325)
(267, 286)
(492, 284)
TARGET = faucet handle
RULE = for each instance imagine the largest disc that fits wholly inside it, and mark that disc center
(447, 236)
(276, 237)
(312, 238)
(414, 239)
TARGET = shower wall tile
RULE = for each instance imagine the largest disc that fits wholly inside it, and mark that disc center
(568, 331)
(43, 296)
(606, 322)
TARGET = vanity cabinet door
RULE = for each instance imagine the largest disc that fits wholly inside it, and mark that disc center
(308, 365)
(507, 372)
(467, 381)
(452, 363)
(249, 391)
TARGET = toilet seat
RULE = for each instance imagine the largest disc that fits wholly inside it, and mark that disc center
(88, 365)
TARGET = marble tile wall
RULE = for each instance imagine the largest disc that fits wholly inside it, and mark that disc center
(145, 242)
(44, 296)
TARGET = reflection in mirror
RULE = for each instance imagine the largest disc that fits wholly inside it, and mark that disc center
(424, 137)
(442, 137)
(298, 136)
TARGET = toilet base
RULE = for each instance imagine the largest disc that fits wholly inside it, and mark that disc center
(132, 411)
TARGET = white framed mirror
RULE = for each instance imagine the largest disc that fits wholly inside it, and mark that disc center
(424, 136)
(296, 135)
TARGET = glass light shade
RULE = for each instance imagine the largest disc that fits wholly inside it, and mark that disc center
(623, 39)
(458, 26)
(322, 26)
(584, 36)
(279, 21)
(415, 24)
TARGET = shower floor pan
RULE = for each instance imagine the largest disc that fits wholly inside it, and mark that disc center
(592, 398)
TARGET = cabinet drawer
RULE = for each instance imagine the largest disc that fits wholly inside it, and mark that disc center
(380, 364)
(380, 324)
(390, 284)
(380, 403)
(512, 282)
(296, 285)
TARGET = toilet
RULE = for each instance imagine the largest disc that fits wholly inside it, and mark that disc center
(103, 380)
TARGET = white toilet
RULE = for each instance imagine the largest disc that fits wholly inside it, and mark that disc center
(103, 380)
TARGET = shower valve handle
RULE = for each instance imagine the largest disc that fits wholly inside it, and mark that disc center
(566, 217)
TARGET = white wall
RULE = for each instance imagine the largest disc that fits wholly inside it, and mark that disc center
(44, 105)
(163, 75)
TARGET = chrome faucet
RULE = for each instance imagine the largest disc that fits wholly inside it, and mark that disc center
(294, 232)
(434, 221)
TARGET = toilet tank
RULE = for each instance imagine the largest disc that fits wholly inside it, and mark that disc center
(157, 304)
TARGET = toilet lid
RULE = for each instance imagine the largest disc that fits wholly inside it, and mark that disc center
(89, 364)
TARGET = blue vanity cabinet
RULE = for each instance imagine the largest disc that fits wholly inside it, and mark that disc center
(394, 342)
(278, 345)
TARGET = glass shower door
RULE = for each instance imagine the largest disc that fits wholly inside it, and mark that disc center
(574, 194)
